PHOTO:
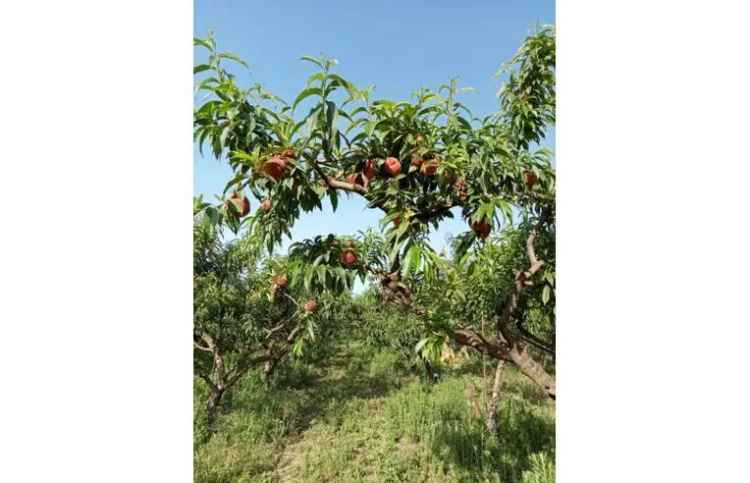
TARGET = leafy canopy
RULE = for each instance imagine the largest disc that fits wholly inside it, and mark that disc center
(334, 139)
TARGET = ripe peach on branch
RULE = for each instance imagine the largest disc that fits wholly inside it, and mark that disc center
(241, 204)
(429, 168)
(281, 281)
(368, 171)
(416, 159)
(310, 306)
(482, 228)
(349, 256)
(275, 167)
(530, 178)
(392, 166)
(460, 187)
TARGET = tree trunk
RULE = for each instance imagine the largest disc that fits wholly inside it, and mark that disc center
(495, 399)
(429, 371)
(532, 369)
(213, 405)
(268, 368)
(517, 354)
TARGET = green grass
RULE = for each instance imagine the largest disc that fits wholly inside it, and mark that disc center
(362, 417)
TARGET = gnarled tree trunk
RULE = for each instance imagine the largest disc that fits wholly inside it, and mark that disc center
(507, 346)
(532, 369)
(515, 353)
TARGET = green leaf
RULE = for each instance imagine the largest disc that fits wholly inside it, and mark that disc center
(413, 258)
(331, 115)
(318, 76)
(322, 274)
(224, 135)
(317, 260)
(234, 58)
(394, 251)
(313, 60)
(308, 277)
(212, 214)
(334, 198)
(297, 348)
(545, 294)
(310, 91)
(202, 43)
(200, 68)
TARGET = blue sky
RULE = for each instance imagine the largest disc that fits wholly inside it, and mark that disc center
(398, 46)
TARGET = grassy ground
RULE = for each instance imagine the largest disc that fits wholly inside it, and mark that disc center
(362, 418)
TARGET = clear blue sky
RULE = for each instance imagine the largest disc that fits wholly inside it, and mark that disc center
(399, 46)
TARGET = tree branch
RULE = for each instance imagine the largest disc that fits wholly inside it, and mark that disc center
(242, 366)
(273, 330)
(335, 183)
(293, 301)
(209, 341)
(469, 337)
(520, 283)
(217, 359)
(342, 185)
(293, 334)
(200, 347)
(532, 339)
(425, 216)
(208, 381)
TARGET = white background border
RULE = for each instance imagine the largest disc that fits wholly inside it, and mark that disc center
(96, 241)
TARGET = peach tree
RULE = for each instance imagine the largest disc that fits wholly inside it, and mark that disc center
(418, 162)
(246, 313)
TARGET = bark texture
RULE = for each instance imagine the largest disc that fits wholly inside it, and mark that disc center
(491, 421)
(212, 406)
(532, 369)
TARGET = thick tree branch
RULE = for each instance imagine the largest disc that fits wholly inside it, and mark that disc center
(507, 347)
(503, 321)
(336, 183)
(217, 359)
(527, 336)
(209, 341)
(274, 358)
(532, 339)
(242, 367)
(536, 264)
(273, 330)
(469, 337)
(200, 347)
(342, 185)
(491, 420)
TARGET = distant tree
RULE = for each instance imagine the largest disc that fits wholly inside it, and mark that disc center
(246, 315)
